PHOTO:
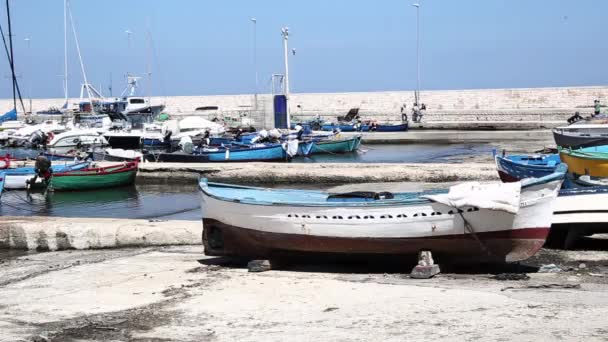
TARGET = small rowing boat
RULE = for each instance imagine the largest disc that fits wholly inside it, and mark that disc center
(514, 168)
(95, 178)
(336, 145)
(18, 178)
(592, 161)
(499, 222)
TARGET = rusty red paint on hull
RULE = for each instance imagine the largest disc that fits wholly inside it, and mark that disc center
(221, 239)
(507, 178)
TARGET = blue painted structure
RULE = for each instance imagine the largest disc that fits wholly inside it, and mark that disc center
(280, 111)
(264, 153)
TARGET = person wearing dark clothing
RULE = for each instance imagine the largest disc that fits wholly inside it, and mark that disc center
(576, 117)
(42, 169)
(238, 134)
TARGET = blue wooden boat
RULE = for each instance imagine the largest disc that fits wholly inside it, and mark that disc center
(517, 167)
(365, 127)
(151, 142)
(392, 128)
(274, 152)
(336, 146)
(265, 153)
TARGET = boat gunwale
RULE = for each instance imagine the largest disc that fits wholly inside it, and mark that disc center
(129, 166)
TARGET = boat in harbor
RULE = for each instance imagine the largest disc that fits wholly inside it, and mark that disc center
(18, 178)
(116, 154)
(336, 145)
(264, 153)
(94, 178)
(76, 138)
(592, 161)
(510, 226)
(581, 135)
(365, 127)
(513, 168)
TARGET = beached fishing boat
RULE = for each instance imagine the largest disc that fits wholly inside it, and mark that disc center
(511, 223)
(581, 135)
(514, 168)
(18, 178)
(336, 145)
(94, 178)
(592, 161)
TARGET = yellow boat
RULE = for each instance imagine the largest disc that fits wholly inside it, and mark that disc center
(591, 161)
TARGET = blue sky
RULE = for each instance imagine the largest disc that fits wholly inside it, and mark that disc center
(206, 47)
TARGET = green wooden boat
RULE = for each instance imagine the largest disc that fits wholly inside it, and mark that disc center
(95, 178)
(336, 146)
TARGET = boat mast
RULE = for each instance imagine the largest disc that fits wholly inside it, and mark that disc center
(11, 60)
(65, 51)
(84, 74)
(10, 42)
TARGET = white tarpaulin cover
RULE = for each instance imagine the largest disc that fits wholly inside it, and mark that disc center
(498, 196)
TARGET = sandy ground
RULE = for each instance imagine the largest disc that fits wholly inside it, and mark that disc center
(177, 294)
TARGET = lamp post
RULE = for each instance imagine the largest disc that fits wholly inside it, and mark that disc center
(285, 34)
(417, 5)
(255, 61)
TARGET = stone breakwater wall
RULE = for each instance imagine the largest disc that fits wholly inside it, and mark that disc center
(522, 104)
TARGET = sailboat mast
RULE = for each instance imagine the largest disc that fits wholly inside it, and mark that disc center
(65, 50)
(11, 60)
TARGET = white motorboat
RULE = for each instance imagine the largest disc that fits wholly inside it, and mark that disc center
(77, 138)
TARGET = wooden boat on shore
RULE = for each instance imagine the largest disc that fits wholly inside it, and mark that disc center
(592, 161)
(18, 178)
(95, 178)
(336, 145)
(270, 223)
(581, 135)
(514, 168)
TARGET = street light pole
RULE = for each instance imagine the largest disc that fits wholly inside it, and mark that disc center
(417, 5)
(285, 34)
(255, 61)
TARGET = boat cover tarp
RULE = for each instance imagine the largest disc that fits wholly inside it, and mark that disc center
(9, 116)
(499, 196)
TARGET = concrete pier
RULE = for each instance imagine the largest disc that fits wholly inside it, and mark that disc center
(60, 233)
(325, 173)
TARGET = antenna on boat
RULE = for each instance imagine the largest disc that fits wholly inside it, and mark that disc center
(65, 51)
(149, 62)
(89, 88)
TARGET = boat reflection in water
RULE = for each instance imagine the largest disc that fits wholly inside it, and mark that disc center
(133, 202)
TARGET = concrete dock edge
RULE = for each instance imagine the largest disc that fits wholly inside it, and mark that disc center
(61, 233)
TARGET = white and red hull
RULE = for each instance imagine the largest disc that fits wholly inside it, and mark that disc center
(257, 230)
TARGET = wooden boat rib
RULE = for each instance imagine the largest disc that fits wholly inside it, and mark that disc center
(95, 178)
(267, 223)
